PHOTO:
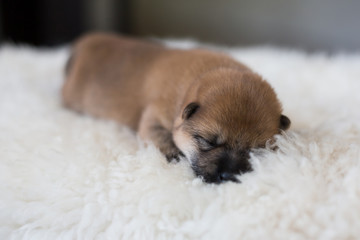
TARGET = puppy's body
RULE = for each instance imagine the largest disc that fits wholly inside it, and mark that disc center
(202, 104)
(118, 77)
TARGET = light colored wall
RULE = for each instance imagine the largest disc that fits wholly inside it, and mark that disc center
(310, 24)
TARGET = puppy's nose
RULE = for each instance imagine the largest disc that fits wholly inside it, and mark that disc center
(225, 176)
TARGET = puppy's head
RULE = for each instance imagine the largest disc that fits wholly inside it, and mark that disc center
(224, 116)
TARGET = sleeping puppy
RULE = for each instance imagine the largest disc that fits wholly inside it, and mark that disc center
(194, 103)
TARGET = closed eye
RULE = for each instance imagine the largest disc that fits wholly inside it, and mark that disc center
(204, 144)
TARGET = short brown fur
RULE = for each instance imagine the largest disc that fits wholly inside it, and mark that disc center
(179, 99)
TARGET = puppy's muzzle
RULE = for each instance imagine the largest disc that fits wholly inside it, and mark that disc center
(220, 177)
(228, 167)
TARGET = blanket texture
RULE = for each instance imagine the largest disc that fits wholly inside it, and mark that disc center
(70, 176)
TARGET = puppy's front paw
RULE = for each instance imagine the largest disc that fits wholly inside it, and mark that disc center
(173, 154)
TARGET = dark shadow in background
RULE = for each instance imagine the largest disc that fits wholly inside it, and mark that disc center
(52, 22)
(41, 22)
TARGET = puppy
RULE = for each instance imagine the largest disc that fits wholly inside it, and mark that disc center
(194, 103)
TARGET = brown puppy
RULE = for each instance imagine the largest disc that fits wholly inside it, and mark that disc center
(196, 103)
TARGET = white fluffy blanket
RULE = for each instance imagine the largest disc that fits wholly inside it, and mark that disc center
(67, 176)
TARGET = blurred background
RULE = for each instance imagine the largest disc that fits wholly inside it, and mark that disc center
(326, 25)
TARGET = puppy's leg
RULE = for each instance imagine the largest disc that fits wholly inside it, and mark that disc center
(150, 128)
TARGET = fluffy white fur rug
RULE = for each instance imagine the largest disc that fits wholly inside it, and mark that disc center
(67, 176)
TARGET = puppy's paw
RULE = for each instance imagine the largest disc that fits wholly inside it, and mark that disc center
(173, 154)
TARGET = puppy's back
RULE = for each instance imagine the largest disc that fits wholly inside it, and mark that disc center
(105, 74)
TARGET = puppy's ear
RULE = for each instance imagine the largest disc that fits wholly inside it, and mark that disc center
(189, 110)
(284, 122)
